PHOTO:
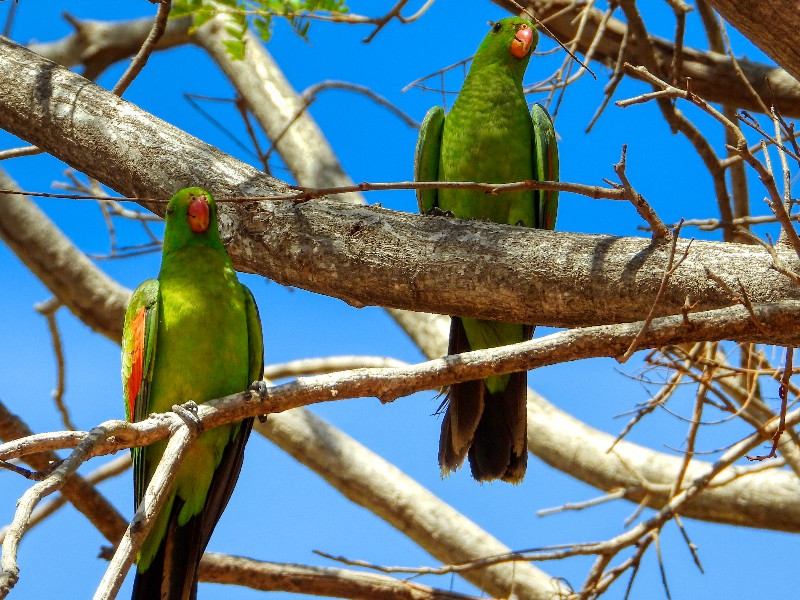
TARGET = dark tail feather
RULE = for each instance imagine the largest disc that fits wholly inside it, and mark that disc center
(490, 428)
(464, 409)
(173, 573)
(499, 449)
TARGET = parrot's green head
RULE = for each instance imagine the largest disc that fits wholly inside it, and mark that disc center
(191, 220)
(510, 43)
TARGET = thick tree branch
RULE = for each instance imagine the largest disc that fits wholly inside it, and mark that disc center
(403, 260)
(370, 481)
(772, 25)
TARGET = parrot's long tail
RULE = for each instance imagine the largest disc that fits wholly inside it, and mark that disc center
(172, 575)
(490, 428)
(499, 449)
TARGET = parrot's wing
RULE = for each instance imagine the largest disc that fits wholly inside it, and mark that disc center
(426, 159)
(255, 340)
(138, 358)
(545, 166)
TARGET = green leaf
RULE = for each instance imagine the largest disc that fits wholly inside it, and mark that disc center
(258, 14)
(235, 48)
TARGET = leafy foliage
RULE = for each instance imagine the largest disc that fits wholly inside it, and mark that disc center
(260, 12)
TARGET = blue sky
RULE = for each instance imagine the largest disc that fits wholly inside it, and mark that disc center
(280, 510)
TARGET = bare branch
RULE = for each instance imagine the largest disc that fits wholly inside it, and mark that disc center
(48, 310)
(140, 60)
(82, 495)
(317, 581)
(154, 499)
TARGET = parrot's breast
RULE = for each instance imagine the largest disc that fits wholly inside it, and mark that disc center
(202, 352)
(487, 138)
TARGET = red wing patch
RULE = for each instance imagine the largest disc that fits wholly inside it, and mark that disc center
(134, 383)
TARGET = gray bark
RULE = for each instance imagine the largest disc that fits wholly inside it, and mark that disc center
(367, 255)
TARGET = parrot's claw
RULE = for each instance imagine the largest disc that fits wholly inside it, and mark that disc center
(261, 388)
(435, 211)
(188, 412)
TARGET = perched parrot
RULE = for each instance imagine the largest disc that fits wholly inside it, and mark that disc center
(489, 136)
(192, 334)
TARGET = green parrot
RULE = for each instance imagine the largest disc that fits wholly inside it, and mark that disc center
(192, 334)
(489, 136)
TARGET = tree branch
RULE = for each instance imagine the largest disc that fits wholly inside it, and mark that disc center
(97, 509)
(317, 581)
(405, 261)
(770, 25)
(371, 482)
(390, 383)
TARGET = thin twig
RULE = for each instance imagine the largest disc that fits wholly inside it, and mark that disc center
(48, 311)
(107, 471)
(660, 231)
(18, 152)
(783, 393)
(575, 506)
(140, 60)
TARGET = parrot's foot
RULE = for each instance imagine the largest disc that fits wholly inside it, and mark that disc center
(435, 211)
(261, 388)
(188, 412)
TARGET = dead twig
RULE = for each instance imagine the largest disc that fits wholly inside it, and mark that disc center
(660, 231)
(783, 393)
(48, 311)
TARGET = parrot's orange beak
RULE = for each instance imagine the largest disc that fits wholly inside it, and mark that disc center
(198, 214)
(522, 42)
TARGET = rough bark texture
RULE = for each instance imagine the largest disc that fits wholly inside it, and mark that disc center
(714, 77)
(772, 25)
(509, 273)
(371, 255)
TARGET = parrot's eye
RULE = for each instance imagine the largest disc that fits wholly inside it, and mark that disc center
(496, 28)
